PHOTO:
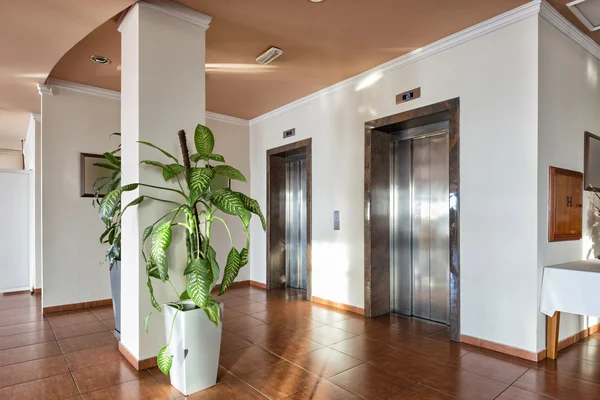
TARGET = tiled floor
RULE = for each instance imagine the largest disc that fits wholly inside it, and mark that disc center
(278, 346)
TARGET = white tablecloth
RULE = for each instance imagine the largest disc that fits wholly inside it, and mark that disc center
(572, 288)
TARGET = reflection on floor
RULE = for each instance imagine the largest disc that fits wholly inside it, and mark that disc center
(277, 346)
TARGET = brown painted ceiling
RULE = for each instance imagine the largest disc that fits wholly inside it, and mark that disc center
(323, 44)
(34, 35)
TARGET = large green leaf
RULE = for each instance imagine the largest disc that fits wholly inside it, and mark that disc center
(229, 172)
(159, 149)
(107, 166)
(215, 157)
(212, 256)
(252, 206)
(161, 239)
(164, 360)
(232, 268)
(227, 201)
(204, 140)
(109, 203)
(199, 179)
(245, 216)
(113, 160)
(213, 311)
(152, 298)
(198, 282)
(244, 257)
(174, 170)
(169, 171)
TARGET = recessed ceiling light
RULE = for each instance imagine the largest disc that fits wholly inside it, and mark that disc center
(316, 1)
(99, 59)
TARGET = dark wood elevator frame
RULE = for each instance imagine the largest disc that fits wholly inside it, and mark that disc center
(276, 211)
(377, 204)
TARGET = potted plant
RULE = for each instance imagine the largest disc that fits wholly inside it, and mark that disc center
(112, 232)
(193, 321)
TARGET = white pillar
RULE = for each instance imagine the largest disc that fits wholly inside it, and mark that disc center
(162, 91)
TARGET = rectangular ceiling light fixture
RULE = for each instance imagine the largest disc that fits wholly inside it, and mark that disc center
(588, 12)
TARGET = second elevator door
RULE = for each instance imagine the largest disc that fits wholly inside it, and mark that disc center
(420, 228)
(295, 222)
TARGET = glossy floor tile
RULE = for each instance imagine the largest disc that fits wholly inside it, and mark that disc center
(278, 346)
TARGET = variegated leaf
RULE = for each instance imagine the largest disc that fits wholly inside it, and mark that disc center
(232, 268)
(213, 311)
(161, 239)
(204, 140)
(252, 206)
(229, 172)
(227, 201)
(164, 360)
(199, 179)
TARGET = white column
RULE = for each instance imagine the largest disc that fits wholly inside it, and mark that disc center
(162, 91)
(33, 162)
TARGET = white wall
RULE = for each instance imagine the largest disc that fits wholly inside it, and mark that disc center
(232, 141)
(15, 244)
(74, 269)
(495, 77)
(569, 104)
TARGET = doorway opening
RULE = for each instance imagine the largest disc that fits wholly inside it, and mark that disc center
(289, 204)
(412, 235)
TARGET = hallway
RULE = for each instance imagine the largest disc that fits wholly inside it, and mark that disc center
(277, 347)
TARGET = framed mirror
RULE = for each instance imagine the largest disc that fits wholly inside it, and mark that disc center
(89, 173)
(591, 166)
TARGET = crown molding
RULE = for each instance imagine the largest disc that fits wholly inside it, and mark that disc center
(44, 89)
(503, 20)
(227, 118)
(172, 9)
(81, 88)
(36, 117)
(568, 29)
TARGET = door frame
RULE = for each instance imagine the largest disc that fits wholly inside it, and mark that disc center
(377, 204)
(276, 214)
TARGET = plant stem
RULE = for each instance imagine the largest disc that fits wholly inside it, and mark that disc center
(226, 227)
(164, 188)
(174, 288)
(172, 325)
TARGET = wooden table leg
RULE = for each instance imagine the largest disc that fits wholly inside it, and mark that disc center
(552, 326)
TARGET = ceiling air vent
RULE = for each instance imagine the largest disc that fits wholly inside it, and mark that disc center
(269, 55)
(588, 12)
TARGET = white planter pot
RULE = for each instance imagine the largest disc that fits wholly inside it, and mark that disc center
(195, 347)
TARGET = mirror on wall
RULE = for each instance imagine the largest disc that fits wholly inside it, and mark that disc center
(591, 168)
(89, 173)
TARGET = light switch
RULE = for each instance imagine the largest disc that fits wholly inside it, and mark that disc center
(336, 220)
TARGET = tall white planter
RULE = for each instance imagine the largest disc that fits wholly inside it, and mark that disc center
(195, 347)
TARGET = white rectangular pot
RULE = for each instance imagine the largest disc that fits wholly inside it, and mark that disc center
(195, 346)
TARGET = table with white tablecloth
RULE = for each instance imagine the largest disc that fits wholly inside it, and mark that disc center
(572, 288)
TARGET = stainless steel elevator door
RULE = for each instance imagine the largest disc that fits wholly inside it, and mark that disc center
(295, 223)
(420, 227)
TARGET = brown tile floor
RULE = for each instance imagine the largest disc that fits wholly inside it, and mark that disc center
(278, 346)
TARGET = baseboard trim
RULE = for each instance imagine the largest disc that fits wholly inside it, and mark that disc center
(500, 348)
(528, 355)
(258, 284)
(566, 342)
(16, 292)
(137, 364)
(78, 306)
(341, 306)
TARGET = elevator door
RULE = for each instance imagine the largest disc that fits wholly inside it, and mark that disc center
(420, 227)
(295, 222)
